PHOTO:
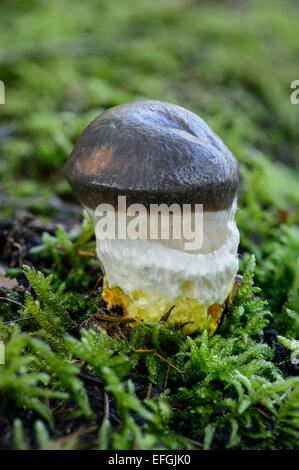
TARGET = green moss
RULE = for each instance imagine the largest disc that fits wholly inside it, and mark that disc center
(226, 385)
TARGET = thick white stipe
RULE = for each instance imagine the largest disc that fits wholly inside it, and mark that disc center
(158, 270)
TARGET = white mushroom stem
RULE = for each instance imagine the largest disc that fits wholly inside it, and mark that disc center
(158, 269)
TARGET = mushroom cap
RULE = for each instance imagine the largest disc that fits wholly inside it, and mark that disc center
(152, 153)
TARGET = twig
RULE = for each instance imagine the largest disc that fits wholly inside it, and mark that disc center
(12, 301)
(166, 377)
(99, 281)
(17, 321)
(63, 412)
(166, 316)
(63, 440)
(153, 351)
(263, 413)
(149, 391)
(86, 253)
(102, 316)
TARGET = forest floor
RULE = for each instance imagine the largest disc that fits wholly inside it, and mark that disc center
(73, 378)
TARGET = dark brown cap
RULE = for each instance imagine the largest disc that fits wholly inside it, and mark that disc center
(152, 152)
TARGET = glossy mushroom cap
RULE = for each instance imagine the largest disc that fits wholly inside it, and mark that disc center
(152, 152)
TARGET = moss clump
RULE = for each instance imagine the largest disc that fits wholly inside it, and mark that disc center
(226, 390)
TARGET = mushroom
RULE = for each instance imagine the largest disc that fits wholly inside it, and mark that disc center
(155, 153)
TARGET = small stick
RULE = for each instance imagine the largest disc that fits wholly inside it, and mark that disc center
(166, 377)
(102, 316)
(263, 413)
(86, 253)
(149, 391)
(12, 301)
(99, 281)
(153, 351)
(63, 440)
(16, 321)
(166, 316)
(62, 412)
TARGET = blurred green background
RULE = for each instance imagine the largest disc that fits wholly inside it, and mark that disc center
(63, 62)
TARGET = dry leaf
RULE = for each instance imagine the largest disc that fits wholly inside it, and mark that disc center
(6, 283)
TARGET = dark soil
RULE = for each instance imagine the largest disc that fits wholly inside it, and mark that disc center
(66, 424)
(281, 353)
